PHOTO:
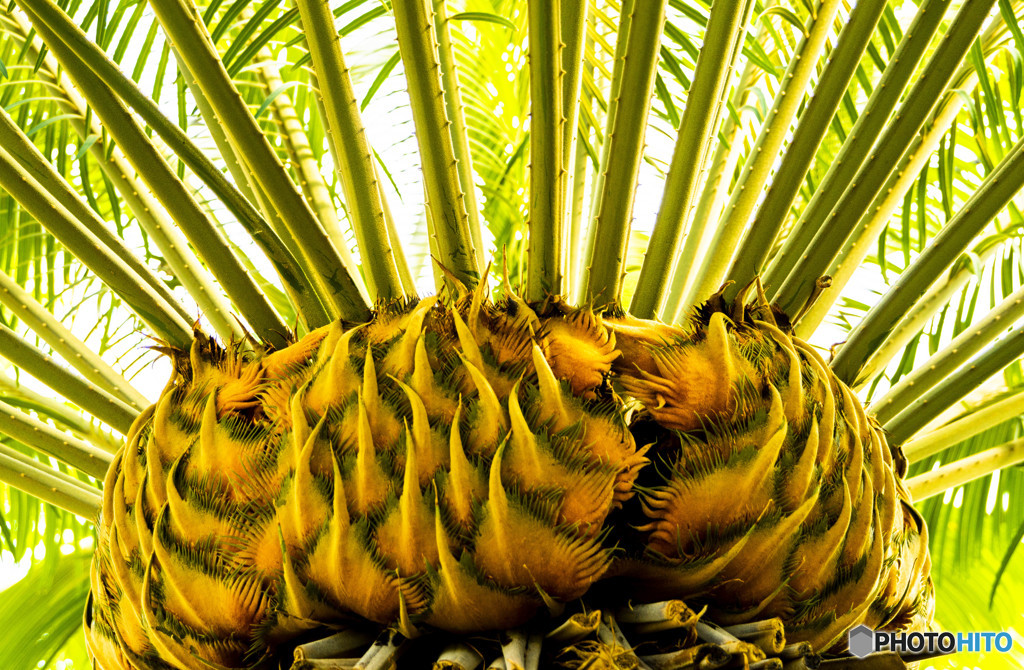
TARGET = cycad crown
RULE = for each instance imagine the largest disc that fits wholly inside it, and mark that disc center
(463, 466)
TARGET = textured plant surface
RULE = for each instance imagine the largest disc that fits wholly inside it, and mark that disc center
(370, 446)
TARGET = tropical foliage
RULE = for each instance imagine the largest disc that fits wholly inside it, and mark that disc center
(878, 143)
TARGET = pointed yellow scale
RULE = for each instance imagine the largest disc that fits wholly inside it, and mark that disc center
(297, 599)
(491, 424)
(692, 382)
(202, 601)
(342, 568)
(156, 492)
(761, 568)
(797, 482)
(304, 509)
(586, 495)
(524, 459)
(122, 572)
(191, 521)
(470, 349)
(853, 601)
(431, 450)
(337, 380)
(685, 508)
(282, 363)
(387, 428)
(371, 484)
(122, 519)
(462, 604)
(819, 556)
(579, 350)
(406, 537)
(464, 484)
(142, 523)
(400, 359)
(859, 534)
(514, 548)
(552, 408)
(439, 403)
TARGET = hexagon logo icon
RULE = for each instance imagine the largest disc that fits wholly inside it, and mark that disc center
(862, 641)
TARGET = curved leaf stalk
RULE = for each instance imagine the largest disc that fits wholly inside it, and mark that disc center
(714, 191)
(108, 409)
(918, 316)
(175, 138)
(866, 129)
(574, 242)
(572, 24)
(811, 129)
(187, 33)
(925, 94)
(859, 245)
(957, 431)
(52, 442)
(77, 353)
(625, 151)
(445, 199)
(48, 484)
(311, 181)
(47, 210)
(65, 478)
(957, 386)
(987, 201)
(924, 377)
(864, 237)
(303, 295)
(614, 92)
(966, 470)
(725, 30)
(547, 168)
(172, 193)
(26, 153)
(404, 273)
(460, 139)
(53, 408)
(763, 154)
(353, 158)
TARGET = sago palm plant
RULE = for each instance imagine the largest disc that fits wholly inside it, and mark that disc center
(600, 438)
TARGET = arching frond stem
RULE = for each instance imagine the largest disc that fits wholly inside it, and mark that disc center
(704, 100)
(988, 200)
(127, 91)
(964, 427)
(353, 157)
(188, 34)
(626, 148)
(47, 210)
(811, 129)
(957, 386)
(923, 97)
(966, 470)
(457, 117)
(52, 442)
(547, 170)
(418, 46)
(48, 484)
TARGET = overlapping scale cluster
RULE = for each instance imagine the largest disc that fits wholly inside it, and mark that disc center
(462, 467)
(445, 467)
(772, 493)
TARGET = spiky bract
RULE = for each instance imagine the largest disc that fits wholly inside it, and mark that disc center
(772, 493)
(463, 467)
(430, 467)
